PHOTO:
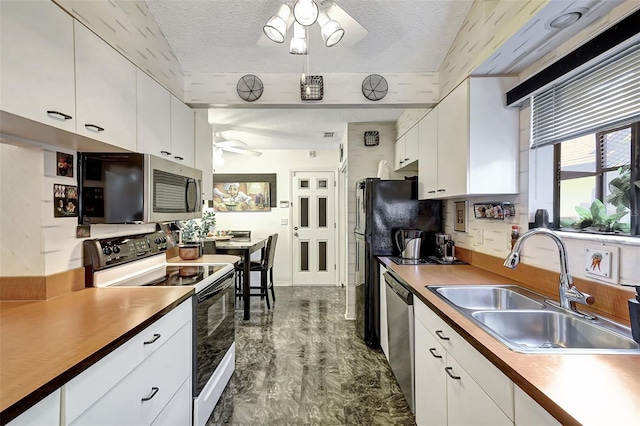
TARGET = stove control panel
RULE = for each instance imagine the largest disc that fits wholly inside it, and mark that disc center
(105, 252)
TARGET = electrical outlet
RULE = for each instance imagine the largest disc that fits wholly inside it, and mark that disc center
(479, 237)
(284, 221)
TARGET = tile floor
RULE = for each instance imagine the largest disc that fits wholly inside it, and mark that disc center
(301, 363)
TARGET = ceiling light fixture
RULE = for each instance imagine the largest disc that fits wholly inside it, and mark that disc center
(276, 26)
(563, 21)
(305, 13)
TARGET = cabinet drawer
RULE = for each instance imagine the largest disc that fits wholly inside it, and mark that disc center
(178, 410)
(529, 412)
(498, 386)
(85, 389)
(156, 379)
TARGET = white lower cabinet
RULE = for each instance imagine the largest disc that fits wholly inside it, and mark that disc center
(529, 412)
(44, 413)
(177, 413)
(455, 384)
(137, 381)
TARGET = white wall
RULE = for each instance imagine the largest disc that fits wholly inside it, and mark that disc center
(363, 163)
(32, 241)
(263, 224)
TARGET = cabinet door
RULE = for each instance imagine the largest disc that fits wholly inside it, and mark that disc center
(453, 142)
(411, 142)
(529, 412)
(105, 91)
(178, 410)
(430, 379)
(399, 153)
(153, 116)
(467, 402)
(44, 413)
(182, 133)
(204, 153)
(428, 156)
(36, 65)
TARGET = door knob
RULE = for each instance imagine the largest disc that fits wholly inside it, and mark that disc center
(295, 234)
(295, 228)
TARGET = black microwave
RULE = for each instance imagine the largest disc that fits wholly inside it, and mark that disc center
(136, 188)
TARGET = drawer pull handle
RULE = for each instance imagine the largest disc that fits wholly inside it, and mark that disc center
(440, 335)
(154, 391)
(177, 157)
(431, 192)
(434, 353)
(153, 339)
(165, 152)
(441, 190)
(94, 127)
(61, 114)
(449, 372)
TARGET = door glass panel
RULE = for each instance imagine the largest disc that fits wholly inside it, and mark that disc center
(322, 255)
(304, 212)
(304, 255)
(304, 183)
(322, 183)
(322, 212)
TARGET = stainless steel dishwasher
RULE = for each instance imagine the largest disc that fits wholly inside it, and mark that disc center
(401, 340)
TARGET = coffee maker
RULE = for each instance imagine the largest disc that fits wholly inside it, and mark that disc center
(445, 248)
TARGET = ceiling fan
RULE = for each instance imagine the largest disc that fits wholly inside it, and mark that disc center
(235, 146)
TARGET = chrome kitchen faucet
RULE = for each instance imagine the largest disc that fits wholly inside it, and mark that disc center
(569, 294)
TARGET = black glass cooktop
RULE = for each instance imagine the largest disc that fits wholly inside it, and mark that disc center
(186, 275)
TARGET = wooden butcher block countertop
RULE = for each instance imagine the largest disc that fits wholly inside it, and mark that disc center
(44, 344)
(575, 389)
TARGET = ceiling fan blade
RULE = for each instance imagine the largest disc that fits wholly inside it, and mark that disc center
(230, 143)
(242, 151)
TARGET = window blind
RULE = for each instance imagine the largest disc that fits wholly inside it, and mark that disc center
(607, 95)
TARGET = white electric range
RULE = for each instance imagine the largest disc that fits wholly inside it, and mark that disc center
(139, 260)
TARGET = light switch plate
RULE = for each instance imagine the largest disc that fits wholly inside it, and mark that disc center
(479, 237)
(284, 221)
(601, 263)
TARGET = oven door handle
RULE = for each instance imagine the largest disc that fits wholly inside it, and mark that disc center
(216, 287)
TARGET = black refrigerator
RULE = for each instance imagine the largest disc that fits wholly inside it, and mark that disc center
(382, 208)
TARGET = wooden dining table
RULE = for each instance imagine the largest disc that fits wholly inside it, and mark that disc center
(242, 247)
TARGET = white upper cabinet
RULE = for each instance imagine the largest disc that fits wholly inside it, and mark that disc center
(204, 153)
(105, 91)
(477, 145)
(182, 133)
(406, 149)
(428, 154)
(36, 64)
(153, 116)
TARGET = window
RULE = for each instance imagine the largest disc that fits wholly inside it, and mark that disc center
(593, 190)
(590, 124)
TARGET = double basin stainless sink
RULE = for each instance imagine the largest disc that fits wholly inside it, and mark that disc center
(524, 322)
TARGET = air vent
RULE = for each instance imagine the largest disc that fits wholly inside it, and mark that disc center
(329, 134)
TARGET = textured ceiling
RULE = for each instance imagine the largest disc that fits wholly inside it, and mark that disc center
(225, 36)
(292, 128)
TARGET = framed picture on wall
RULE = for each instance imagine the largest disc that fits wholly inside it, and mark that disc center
(460, 216)
(258, 190)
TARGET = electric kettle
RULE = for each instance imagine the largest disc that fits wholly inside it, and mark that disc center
(409, 242)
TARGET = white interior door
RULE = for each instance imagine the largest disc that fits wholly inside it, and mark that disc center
(313, 211)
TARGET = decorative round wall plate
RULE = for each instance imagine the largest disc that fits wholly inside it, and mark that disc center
(374, 87)
(249, 88)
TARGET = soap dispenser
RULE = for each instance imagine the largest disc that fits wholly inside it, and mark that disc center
(634, 313)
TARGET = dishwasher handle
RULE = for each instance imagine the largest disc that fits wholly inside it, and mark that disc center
(398, 288)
